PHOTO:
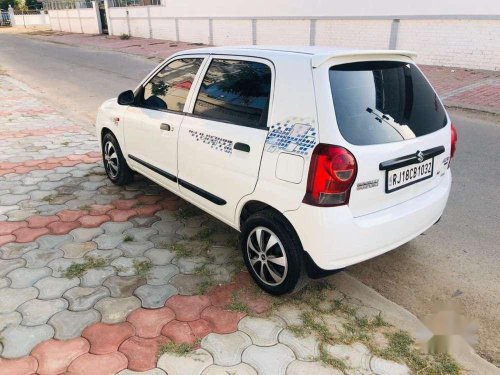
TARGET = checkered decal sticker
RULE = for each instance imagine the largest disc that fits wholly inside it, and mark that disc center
(291, 136)
(216, 143)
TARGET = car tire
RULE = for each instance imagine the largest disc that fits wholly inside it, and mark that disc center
(276, 263)
(115, 165)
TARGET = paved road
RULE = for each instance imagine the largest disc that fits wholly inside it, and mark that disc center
(455, 260)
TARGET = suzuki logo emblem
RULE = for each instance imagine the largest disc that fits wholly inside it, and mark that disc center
(420, 156)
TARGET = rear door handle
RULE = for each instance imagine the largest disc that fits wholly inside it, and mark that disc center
(166, 127)
(241, 147)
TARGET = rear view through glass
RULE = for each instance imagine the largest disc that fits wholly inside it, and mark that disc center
(384, 101)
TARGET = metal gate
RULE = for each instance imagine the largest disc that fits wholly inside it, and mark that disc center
(4, 18)
(104, 20)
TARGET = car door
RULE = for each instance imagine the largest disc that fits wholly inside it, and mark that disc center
(151, 126)
(222, 137)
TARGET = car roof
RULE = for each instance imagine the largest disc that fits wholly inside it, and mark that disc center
(318, 54)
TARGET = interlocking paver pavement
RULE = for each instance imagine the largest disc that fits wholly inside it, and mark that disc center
(96, 278)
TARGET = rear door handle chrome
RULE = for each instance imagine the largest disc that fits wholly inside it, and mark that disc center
(166, 127)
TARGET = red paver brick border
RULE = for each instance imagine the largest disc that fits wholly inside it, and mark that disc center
(65, 221)
(39, 132)
(134, 344)
(49, 163)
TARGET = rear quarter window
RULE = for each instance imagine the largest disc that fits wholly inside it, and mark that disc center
(379, 102)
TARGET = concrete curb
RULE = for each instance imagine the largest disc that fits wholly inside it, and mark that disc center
(464, 354)
(452, 104)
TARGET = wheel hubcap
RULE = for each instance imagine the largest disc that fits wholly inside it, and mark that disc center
(111, 159)
(267, 256)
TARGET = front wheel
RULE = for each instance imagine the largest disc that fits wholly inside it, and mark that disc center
(114, 163)
(272, 253)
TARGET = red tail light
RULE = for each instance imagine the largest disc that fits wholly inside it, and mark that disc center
(454, 139)
(331, 175)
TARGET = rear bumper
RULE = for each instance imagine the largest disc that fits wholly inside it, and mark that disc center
(334, 239)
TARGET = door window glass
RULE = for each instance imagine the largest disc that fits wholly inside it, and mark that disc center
(169, 89)
(235, 91)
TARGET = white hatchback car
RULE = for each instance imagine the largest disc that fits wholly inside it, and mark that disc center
(320, 157)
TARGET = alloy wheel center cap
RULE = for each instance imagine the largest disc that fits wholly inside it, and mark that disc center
(263, 256)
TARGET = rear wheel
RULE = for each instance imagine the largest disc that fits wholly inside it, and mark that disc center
(272, 253)
(114, 163)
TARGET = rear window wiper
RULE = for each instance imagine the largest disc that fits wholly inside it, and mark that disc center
(403, 130)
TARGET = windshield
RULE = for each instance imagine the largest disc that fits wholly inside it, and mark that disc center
(384, 101)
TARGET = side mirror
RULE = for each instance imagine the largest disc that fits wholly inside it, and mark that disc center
(126, 98)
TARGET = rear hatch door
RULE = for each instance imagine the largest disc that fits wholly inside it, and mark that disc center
(396, 127)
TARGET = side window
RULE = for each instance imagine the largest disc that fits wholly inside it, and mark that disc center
(170, 87)
(235, 91)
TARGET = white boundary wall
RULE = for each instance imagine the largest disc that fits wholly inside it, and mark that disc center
(31, 19)
(460, 33)
(79, 20)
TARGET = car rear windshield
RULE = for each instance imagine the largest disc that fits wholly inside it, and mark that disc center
(384, 101)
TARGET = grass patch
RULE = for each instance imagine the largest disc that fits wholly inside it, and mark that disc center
(330, 360)
(180, 250)
(173, 348)
(237, 304)
(124, 37)
(187, 212)
(401, 348)
(142, 267)
(204, 286)
(128, 238)
(85, 207)
(49, 198)
(203, 234)
(65, 143)
(79, 269)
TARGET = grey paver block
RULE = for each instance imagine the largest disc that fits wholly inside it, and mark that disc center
(4, 282)
(70, 324)
(74, 250)
(192, 363)
(189, 266)
(108, 241)
(141, 234)
(314, 368)
(166, 216)
(239, 369)
(290, 314)
(167, 227)
(57, 176)
(7, 266)
(86, 234)
(160, 275)
(116, 228)
(356, 356)
(96, 277)
(5, 209)
(43, 195)
(10, 319)
(135, 248)
(262, 331)
(19, 340)
(146, 222)
(305, 348)
(154, 296)
(123, 286)
(18, 215)
(10, 298)
(268, 360)
(41, 257)
(108, 255)
(50, 241)
(54, 287)
(60, 265)
(187, 285)
(125, 266)
(20, 189)
(382, 366)
(11, 199)
(81, 299)
(223, 255)
(221, 273)
(50, 209)
(160, 257)
(26, 277)
(36, 311)
(115, 310)
(16, 250)
(226, 349)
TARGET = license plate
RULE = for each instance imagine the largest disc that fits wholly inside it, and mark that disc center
(401, 177)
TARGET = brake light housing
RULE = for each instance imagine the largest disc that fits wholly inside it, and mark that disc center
(332, 173)
(454, 139)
